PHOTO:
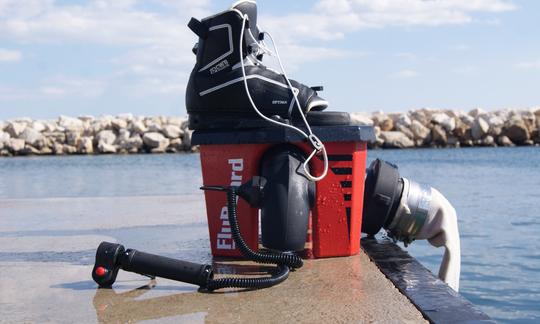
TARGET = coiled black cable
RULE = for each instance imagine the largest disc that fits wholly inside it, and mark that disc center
(281, 275)
(283, 260)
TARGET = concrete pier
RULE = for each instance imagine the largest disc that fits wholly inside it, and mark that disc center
(47, 251)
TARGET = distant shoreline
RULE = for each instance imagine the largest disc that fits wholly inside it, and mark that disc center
(128, 134)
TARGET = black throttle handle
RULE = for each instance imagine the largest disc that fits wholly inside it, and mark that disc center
(159, 266)
(107, 263)
(111, 257)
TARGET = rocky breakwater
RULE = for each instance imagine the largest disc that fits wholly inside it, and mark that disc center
(449, 128)
(129, 134)
(90, 135)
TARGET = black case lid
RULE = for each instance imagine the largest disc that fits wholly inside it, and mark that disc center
(274, 135)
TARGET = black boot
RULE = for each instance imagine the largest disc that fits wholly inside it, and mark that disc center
(216, 96)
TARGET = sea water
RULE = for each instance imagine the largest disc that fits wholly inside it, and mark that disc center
(496, 192)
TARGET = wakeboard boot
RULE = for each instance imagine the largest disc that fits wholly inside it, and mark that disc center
(229, 54)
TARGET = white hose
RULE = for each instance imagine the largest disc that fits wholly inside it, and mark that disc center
(441, 229)
(316, 143)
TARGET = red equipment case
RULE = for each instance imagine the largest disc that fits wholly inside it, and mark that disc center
(233, 157)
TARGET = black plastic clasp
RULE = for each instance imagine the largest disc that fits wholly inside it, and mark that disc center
(317, 88)
(107, 263)
(253, 191)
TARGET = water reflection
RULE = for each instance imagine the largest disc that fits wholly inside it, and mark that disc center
(332, 289)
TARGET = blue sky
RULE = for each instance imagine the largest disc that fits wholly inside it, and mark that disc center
(115, 56)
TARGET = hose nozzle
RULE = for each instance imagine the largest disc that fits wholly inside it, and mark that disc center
(409, 211)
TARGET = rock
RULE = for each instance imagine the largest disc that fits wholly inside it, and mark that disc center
(16, 145)
(86, 145)
(38, 126)
(177, 121)
(444, 120)
(535, 136)
(176, 145)
(106, 137)
(59, 137)
(467, 120)
(25, 120)
(30, 150)
(505, 141)
(87, 118)
(378, 140)
(15, 129)
(58, 148)
(119, 123)
(528, 143)
(70, 124)
(452, 141)
(479, 128)
(106, 148)
(159, 149)
(420, 131)
(496, 124)
(404, 120)
(172, 131)
(123, 136)
(489, 141)
(405, 130)
(45, 151)
(361, 119)
(396, 139)
(529, 119)
(72, 138)
(4, 152)
(383, 121)
(477, 112)
(133, 144)
(453, 113)
(50, 127)
(101, 124)
(461, 129)
(4, 139)
(467, 143)
(517, 131)
(155, 127)
(186, 139)
(438, 135)
(33, 137)
(155, 140)
(386, 125)
(138, 127)
(127, 117)
(69, 149)
(420, 116)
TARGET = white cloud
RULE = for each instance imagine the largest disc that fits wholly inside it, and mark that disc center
(335, 18)
(154, 46)
(10, 56)
(151, 37)
(404, 74)
(531, 65)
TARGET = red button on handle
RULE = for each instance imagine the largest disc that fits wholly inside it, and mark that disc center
(101, 271)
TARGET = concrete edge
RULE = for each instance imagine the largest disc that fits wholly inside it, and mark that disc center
(437, 302)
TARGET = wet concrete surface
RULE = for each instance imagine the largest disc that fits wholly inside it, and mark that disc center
(47, 249)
